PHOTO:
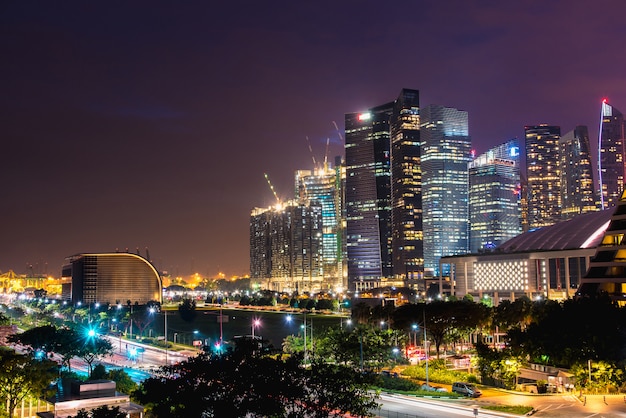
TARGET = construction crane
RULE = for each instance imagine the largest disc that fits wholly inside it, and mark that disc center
(272, 188)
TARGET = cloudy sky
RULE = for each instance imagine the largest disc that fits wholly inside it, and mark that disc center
(150, 124)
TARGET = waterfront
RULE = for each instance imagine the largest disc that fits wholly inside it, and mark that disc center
(272, 325)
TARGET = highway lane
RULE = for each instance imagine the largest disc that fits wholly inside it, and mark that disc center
(399, 406)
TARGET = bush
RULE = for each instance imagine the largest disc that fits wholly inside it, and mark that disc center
(436, 373)
(396, 383)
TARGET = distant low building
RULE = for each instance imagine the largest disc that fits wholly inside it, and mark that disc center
(549, 262)
(89, 395)
(111, 278)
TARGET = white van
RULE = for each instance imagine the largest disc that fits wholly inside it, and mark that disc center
(466, 389)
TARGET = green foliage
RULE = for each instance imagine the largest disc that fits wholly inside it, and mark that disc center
(345, 346)
(238, 384)
(99, 372)
(445, 321)
(123, 381)
(499, 367)
(511, 409)
(66, 342)
(187, 310)
(103, 411)
(439, 374)
(22, 376)
(572, 332)
(4, 320)
(396, 383)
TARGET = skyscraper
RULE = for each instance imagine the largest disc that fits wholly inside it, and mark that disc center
(577, 186)
(494, 197)
(406, 189)
(286, 247)
(544, 180)
(320, 186)
(612, 150)
(368, 197)
(445, 154)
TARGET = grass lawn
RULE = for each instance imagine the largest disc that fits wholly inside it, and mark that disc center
(511, 409)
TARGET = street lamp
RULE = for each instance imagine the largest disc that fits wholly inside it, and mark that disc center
(415, 328)
(348, 322)
(303, 327)
(255, 323)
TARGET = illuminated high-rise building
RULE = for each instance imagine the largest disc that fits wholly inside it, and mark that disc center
(543, 175)
(368, 196)
(612, 155)
(494, 197)
(445, 154)
(321, 186)
(577, 186)
(406, 189)
(286, 247)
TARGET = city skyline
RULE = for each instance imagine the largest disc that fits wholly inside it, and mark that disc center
(132, 126)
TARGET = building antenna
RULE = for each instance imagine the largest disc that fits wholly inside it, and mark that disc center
(604, 104)
(272, 188)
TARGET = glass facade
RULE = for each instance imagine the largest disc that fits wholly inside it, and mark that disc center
(445, 154)
(368, 196)
(577, 186)
(494, 197)
(321, 187)
(544, 179)
(113, 278)
(611, 168)
(406, 189)
(286, 247)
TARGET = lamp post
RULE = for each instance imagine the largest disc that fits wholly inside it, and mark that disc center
(426, 345)
(255, 323)
(415, 328)
(304, 327)
(166, 343)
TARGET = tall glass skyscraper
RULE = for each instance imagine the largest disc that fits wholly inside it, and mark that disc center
(368, 196)
(544, 180)
(406, 189)
(577, 186)
(320, 186)
(445, 154)
(494, 197)
(612, 152)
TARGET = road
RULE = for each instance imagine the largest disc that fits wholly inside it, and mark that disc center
(548, 406)
(399, 406)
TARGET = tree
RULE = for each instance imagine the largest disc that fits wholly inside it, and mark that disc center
(123, 382)
(22, 376)
(92, 348)
(142, 318)
(187, 310)
(101, 412)
(240, 384)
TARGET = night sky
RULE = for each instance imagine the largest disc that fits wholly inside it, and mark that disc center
(130, 124)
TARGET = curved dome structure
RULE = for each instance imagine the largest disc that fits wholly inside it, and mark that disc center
(583, 231)
(112, 278)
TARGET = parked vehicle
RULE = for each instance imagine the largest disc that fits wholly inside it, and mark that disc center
(466, 389)
(430, 388)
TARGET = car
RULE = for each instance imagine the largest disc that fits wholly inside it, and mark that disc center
(430, 388)
(466, 389)
(388, 373)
